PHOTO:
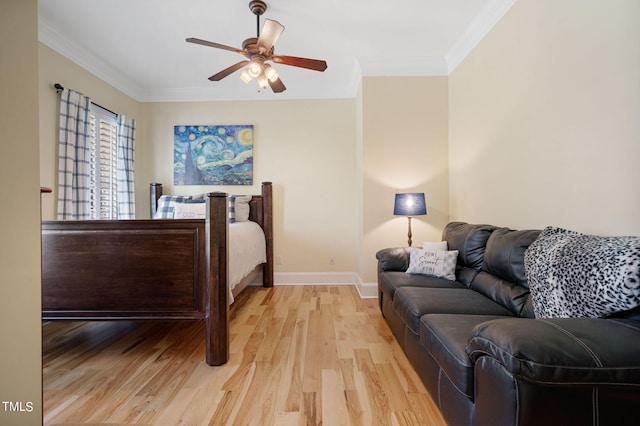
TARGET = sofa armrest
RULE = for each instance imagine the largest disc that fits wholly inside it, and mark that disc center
(567, 351)
(393, 259)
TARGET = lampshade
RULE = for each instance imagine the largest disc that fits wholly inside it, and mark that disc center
(245, 76)
(255, 67)
(410, 204)
(270, 73)
(263, 83)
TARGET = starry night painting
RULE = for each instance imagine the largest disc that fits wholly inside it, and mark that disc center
(213, 155)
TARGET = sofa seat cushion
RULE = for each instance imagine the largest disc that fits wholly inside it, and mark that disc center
(446, 337)
(410, 303)
(575, 351)
(390, 281)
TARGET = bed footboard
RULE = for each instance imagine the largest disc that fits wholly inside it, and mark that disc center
(141, 269)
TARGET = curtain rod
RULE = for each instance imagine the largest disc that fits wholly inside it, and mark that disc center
(59, 89)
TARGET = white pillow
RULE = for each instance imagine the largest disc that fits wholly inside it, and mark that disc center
(241, 207)
(167, 205)
(438, 246)
(434, 263)
(190, 210)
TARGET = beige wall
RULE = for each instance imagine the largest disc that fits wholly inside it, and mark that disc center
(404, 149)
(306, 148)
(320, 154)
(545, 119)
(20, 343)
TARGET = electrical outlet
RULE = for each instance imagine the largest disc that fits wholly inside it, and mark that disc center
(278, 260)
(332, 260)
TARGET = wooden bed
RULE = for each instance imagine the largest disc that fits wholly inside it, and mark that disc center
(170, 269)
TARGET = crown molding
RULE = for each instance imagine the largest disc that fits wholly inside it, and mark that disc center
(480, 26)
(51, 37)
(403, 67)
(356, 79)
(208, 94)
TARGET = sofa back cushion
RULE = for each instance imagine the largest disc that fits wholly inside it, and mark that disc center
(503, 278)
(504, 255)
(470, 241)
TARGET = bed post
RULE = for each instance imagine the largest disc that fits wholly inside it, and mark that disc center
(267, 206)
(217, 285)
(155, 192)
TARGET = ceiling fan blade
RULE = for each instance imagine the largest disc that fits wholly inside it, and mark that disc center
(277, 86)
(271, 30)
(230, 70)
(312, 64)
(216, 45)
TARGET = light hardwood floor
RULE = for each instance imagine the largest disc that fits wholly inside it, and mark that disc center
(300, 355)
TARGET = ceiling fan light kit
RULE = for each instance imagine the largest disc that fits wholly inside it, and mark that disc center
(258, 51)
(270, 73)
(255, 68)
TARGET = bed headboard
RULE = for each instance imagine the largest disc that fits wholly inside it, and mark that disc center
(257, 206)
(260, 211)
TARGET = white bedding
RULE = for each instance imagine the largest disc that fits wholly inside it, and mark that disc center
(247, 249)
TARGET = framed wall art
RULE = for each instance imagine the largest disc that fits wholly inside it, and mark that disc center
(213, 155)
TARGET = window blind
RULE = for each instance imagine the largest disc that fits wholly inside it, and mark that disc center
(103, 174)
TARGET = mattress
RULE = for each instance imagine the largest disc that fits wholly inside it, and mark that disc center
(247, 249)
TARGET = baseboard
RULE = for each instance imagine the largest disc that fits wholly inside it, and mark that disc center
(316, 278)
(366, 290)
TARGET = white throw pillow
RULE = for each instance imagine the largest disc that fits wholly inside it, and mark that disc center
(241, 206)
(434, 263)
(438, 246)
(196, 209)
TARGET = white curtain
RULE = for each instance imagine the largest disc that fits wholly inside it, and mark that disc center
(125, 166)
(74, 157)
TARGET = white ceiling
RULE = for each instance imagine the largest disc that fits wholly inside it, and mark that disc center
(139, 46)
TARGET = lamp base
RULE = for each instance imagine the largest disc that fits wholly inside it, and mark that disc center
(409, 233)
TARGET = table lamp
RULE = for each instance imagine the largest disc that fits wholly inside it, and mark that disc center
(410, 204)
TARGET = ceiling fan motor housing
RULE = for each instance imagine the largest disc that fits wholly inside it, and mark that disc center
(252, 47)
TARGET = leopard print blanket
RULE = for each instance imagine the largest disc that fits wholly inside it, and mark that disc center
(576, 275)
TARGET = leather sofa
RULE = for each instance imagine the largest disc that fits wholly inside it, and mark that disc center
(484, 357)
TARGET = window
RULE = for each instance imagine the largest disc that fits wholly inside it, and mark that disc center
(103, 163)
(96, 170)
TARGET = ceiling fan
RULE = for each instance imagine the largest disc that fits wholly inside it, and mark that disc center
(258, 51)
